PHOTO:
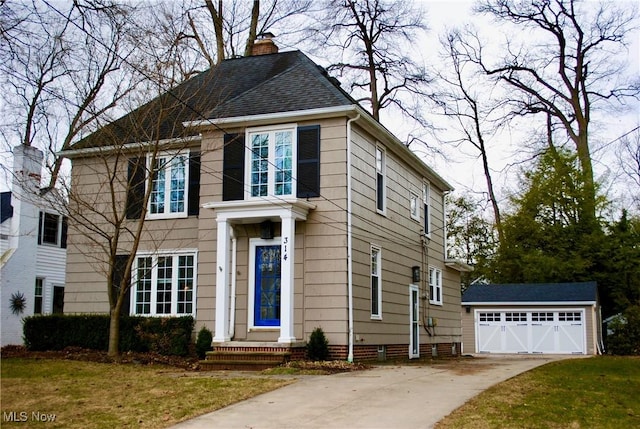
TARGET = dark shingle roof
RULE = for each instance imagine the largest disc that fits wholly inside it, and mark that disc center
(531, 292)
(282, 82)
(6, 209)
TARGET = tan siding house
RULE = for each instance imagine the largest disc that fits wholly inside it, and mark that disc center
(309, 214)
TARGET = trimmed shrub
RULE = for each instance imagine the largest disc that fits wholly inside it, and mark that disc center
(318, 345)
(166, 336)
(203, 342)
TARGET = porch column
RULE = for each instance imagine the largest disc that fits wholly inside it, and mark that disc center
(287, 265)
(222, 282)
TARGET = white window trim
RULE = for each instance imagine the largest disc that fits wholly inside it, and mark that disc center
(414, 198)
(185, 212)
(377, 316)
(253, 243)
(383, 172)
(271, 167)
(426, 201)
(438, 273)
(154, 291)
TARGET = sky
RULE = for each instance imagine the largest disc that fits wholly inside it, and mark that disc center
(462, 168)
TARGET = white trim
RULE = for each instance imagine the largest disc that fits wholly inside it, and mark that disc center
(174, 290)
(74, 153)
(426, 201)
(271, 164)
(251, 293)
(414, 199)
(383, 172)
(373, 247)
(350, 241)
(438, 272)
(414, 288)
(171, 157)
(273, 118)
(533, 303)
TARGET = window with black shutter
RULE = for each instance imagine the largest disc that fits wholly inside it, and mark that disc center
(136, 173)
(308, 161)
(194, 183)
(233, 167)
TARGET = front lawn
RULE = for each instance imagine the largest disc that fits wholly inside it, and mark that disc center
(77, 394)
(599, 392)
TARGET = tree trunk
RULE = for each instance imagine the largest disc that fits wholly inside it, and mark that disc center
(251, 38)
(114, 333)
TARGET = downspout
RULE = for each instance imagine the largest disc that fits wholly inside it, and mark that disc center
(232, 310)
(349, 241)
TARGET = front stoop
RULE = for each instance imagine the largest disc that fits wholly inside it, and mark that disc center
(240, 356)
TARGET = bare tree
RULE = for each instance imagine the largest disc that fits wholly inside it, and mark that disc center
(203, 33)
(629, 158)
(577, 65)
(465, 98)
(60, 65)
(370, 39)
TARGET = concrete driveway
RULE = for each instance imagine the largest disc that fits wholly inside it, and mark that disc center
(382, 397)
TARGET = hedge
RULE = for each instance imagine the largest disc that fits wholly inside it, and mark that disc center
(166, 336)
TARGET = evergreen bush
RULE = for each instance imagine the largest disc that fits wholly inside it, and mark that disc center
(166, 336)
(203, 342)
(318, 345)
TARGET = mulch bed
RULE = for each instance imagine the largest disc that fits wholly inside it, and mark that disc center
(77, 353)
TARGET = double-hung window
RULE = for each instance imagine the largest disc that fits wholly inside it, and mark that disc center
(38, 295)
(414, 206)
(169, 186)
(426, 201)
(271, 161)
(52, 229)
(380, 179)
(164, 284)
(376, 283)
(435, 286)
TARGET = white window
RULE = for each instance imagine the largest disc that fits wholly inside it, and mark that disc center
(380, 180)
(376, 283)
(515, 317)
(38, 295)
(169, 186)
(52, 230)
(426, 201)
(164, 284)
(435, 286)
(271, 161)
(414, 206)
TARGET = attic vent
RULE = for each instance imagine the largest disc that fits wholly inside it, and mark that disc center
(264, 45)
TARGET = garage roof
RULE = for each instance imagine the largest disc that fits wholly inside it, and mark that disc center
(530, 293)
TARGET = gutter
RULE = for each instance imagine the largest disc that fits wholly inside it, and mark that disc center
(350, 241)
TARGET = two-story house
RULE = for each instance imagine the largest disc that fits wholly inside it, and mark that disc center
(33, 237)
(280, 206)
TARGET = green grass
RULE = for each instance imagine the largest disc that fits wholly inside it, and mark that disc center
(599, 392)
(99, 395)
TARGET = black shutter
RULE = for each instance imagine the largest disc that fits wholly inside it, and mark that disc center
(136, 174)
(63, 235)
(194, 183)
(40, 224)
(308, 180)
(119, 265)
(233, 167)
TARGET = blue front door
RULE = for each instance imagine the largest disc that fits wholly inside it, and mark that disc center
(267, 296)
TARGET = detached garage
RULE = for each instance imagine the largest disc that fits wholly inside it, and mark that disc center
(552, 318)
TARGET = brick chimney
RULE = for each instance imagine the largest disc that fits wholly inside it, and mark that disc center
(264, 45)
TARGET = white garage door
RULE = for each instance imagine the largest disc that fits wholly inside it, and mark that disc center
(530, 331)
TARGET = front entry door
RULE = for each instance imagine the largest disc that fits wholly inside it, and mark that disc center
(414, 337)
(267, 286)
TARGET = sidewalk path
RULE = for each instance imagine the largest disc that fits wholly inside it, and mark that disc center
(383, 397)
